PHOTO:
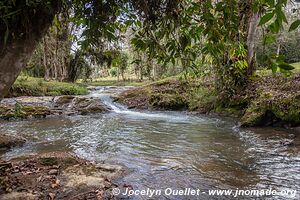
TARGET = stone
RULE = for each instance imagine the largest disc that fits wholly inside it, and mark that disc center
(53, 172)
(8, 141)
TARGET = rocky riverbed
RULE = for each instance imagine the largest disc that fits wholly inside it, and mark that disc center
(56, 176)
(28, 107)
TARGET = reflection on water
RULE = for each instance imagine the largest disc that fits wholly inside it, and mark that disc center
(170, 149)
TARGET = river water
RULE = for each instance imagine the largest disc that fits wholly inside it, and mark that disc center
(170, 149)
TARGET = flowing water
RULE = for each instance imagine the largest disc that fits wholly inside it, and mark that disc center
(170, 149)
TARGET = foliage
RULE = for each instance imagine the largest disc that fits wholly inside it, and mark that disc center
(288, 45)
(202, 37)
(16, 18)
(275, 19)
(51, 59)
(113, 72)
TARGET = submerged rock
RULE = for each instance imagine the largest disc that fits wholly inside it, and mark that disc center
(63, 100)
(20, 111)
(81, 105)
(8, 141)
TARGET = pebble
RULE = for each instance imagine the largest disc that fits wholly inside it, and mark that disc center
(53, 172)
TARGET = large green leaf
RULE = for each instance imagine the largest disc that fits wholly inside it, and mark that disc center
(285, 66)
(267, 17)
(295, 25)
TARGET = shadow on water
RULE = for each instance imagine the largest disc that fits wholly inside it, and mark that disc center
(169, 149)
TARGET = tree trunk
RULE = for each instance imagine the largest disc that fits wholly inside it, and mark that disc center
(17, 50)
(252, 27)
(12, 62)
(45, 61)
(141, 72)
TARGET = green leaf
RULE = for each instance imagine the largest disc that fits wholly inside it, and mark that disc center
(268, 39)
(280, 15)
(285, 66)
(295, 25)
(274, 68)
(274, 27)
(271, 3)
(267, 17)
(280, 59)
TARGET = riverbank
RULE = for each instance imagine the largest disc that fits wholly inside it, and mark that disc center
(30, 86)
(56, 176)
(155, 147)
(267, 101)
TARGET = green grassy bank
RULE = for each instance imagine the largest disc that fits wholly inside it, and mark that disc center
(29, 86)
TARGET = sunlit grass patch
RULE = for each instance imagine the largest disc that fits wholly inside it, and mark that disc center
(30, 86)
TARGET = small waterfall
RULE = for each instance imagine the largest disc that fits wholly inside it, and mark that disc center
(104, 93)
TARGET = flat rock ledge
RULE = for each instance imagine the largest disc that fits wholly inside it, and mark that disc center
(38, 107)
(57, 176)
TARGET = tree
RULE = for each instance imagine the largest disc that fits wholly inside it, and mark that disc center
(22, 25)
(52, 55)
(171, 31)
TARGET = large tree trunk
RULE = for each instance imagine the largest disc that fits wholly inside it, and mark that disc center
(13, 61)
(26, 29)
(252, 27)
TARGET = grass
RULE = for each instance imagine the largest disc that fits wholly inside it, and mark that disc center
(113, 81)
(29, 86)
(268, 72)
(297, 66)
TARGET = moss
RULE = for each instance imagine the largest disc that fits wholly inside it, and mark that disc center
(236, 111)
(202, 99)
(254, 116)
(19, 111)
(167, 101)
(287, 109)
(54, 93)
(271, 109)
(48, 161)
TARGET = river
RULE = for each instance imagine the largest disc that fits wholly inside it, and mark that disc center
(170, 149)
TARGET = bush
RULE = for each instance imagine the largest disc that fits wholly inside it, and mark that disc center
(113, 72)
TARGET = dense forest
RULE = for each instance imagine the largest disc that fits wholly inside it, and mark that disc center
(182, 64)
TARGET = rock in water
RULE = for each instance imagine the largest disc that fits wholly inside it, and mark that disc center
(8, 141)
